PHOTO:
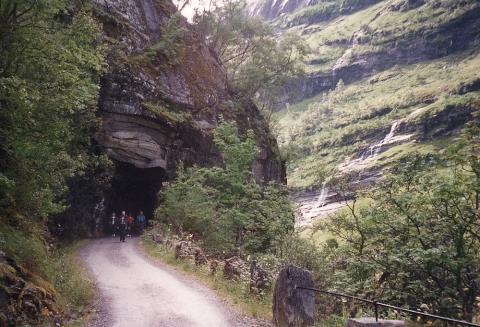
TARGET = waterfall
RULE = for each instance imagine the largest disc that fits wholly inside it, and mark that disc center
(369, 154)
(387, 137)
(374, 150)
(323, 195)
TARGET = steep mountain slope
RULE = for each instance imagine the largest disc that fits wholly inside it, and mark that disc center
(385, 79)
(163, 95)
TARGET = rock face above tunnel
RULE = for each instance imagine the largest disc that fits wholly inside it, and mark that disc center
(159, 106)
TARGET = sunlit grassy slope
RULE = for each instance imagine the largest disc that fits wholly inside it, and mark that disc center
(376, 27)
(323, 131)
(319, 133)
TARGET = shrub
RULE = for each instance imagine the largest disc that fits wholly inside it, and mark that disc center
(419, 240)
(224, 206)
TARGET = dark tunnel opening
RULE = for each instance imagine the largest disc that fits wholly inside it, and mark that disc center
(134, 189)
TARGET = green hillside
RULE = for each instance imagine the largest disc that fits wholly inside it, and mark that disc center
(321, 132)
(429, 88)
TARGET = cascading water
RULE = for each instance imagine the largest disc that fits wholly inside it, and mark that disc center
(370, 154)
(322, 204)
(323, 195)
(374, 150)
(387, 137)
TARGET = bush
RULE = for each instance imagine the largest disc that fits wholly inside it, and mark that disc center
(224, 206)
(171, 42)
(419, 240)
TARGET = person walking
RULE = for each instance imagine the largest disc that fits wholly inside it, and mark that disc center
(141, 222)
(129, 224)
(113, 224)
(122, 226)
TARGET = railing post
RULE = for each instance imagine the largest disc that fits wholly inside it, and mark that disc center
(376, 310)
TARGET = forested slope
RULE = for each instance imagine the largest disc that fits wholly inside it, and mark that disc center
(100, 103)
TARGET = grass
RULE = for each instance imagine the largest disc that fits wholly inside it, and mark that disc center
(379, 25)
(70, 278)
(400, 24)
(165, 113)
(331, 39)
(236, 293)
(57, 270)
(320, 132)
(342, 28)
(320, 11)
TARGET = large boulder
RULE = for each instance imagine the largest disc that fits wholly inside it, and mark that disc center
(293, 306)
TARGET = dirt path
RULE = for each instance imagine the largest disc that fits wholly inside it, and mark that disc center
(136, 292)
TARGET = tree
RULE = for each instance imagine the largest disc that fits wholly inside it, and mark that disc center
(50, 62)
(419, 240)
(224, 206)
(257, 59)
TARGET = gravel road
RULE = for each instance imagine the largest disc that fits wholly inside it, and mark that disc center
(134, 291)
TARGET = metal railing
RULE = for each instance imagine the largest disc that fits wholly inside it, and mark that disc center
(377, 304)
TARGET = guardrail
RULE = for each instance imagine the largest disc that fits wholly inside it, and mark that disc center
(377, 304)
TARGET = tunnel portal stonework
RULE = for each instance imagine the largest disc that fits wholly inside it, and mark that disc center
(158, 110)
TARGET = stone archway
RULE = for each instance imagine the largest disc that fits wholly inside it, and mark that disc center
(134, 189)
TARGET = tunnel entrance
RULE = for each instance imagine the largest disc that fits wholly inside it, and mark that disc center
(134, 189)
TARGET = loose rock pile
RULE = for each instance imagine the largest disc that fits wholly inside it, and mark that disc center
(234, 267)
(259, 279)
(187, 250)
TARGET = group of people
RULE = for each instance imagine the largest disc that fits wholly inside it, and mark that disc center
(124, 225)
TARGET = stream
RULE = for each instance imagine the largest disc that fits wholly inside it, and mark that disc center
(313, 205)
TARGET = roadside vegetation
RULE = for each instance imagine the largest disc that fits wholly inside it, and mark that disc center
(221, 213)
(236, 293)
(381, 248)
(416, 241)
(54, 268)
(224, 206)
(51, 58)
(411, 241)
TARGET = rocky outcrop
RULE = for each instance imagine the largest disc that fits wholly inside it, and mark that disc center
(159, 105)
(302, 88)
(22, 299)
(447, 122)
(272, 9)
(452, 36)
